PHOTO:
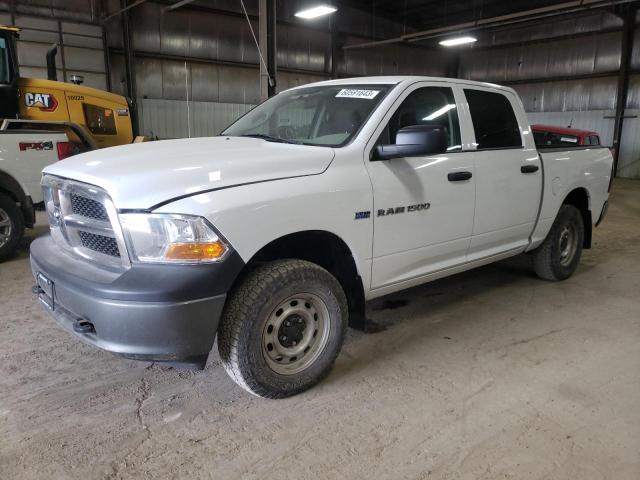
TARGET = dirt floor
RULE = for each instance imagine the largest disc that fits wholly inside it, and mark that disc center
(490, 374)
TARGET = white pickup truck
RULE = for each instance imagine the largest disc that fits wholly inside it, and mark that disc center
(23, 155)
(275, 234)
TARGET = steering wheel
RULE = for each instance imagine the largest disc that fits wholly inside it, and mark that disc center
(287, 132)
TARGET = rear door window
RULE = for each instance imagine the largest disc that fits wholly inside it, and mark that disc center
(494, 120)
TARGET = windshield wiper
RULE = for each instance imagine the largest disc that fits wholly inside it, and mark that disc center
(270, 138)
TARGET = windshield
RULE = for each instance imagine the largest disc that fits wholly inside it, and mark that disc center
(328, 115)
(4, 61)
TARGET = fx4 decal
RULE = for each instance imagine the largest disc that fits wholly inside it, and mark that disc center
(44, 101)
(36, 146)
(384, 212)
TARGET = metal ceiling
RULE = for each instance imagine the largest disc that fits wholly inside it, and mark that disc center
(419, 15)
(474, 16)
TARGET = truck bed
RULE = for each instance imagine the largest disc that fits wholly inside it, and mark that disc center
(566, 169)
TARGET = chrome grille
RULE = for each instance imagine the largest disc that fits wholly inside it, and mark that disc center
(84, 221)
(99, 243)
(85, 207)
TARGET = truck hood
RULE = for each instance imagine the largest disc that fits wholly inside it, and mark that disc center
(144, 175)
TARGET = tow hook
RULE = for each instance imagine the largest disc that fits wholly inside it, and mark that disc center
(82, 326)
(36, 290)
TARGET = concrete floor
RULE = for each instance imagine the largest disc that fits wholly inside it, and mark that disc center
(489, 374)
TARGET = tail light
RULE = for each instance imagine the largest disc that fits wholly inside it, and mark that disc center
(65, 149)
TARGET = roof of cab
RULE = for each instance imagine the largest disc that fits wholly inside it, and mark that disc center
(407, 79)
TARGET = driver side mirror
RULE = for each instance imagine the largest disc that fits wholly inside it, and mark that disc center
(414, 141)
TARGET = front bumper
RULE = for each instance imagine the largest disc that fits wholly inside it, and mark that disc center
(155, 313)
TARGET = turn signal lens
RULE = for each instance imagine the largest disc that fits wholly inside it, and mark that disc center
(172, 238)
(195, 251)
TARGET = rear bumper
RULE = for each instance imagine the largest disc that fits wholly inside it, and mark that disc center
(155, 327)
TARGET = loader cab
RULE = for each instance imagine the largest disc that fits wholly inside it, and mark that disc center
(9, 73)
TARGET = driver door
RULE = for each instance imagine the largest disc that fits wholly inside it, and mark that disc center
(423, 215)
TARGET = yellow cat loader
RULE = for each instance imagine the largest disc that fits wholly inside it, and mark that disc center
(41, 122)
(91, 118)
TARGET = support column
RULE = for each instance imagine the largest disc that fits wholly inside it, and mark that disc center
(453, 66)
(335, 47)
(61, 50)
(267, 41)
(129, 64)
(628, 31)
(272, 51)
(105, 46)
(12, 12)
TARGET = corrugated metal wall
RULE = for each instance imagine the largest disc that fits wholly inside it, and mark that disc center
(540, 71)
(80, 50)
(169, 118)
(211, 58)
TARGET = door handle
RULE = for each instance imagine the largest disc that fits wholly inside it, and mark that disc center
(459, 176)
(529, 168)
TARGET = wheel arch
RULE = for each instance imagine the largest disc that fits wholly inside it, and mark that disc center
(323, 248)
(10, 186)
(580, 198)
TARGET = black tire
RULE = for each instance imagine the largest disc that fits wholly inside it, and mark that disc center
(248, 316)
(552, 260)
(11, 221)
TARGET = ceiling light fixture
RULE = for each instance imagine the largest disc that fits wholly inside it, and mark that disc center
(452, 42)
(315, 12)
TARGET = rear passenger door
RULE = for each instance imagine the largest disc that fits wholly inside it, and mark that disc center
(508, 176)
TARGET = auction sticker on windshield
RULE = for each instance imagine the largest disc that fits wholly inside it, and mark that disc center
(357, 93)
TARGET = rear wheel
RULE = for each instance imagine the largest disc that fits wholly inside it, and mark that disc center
(558, 256)
(11, 226)
(283, 328)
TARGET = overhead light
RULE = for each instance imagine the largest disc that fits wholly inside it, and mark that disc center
(452, 42)
(315, 12)
(439, 112)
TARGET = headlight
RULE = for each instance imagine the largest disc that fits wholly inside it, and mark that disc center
(171, 238)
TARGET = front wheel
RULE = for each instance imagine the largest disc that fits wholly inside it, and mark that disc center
(558, 256)
(282, 328)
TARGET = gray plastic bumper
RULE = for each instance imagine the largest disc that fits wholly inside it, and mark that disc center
(176, 331)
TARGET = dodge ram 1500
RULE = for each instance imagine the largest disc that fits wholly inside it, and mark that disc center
(274, 234)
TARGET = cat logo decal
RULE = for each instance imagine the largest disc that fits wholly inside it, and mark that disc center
(44, 101)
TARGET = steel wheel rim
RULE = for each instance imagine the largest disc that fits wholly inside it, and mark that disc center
(5, 227)
(295, 333)
(568, 245)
